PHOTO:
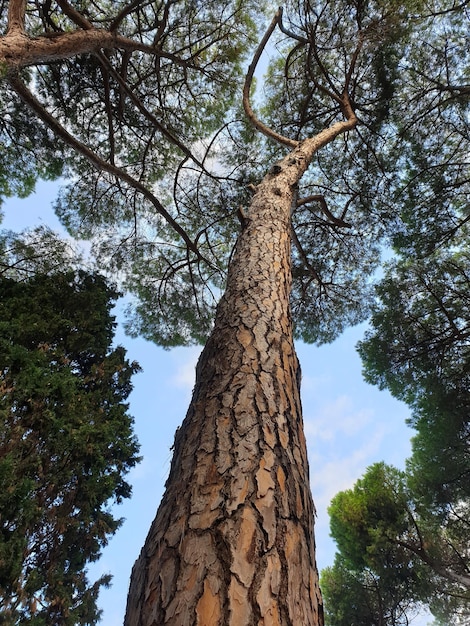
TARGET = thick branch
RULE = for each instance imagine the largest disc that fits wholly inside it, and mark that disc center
(17, 50)
(269, 132)
(324, 137)
(16, 15)
(96, 160)
(16, 53)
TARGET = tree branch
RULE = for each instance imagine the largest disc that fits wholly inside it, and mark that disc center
(304, 257)
(54, 46)
(138, 103)
(15, 54)
(99, 163)
(269, 132)
(16, 17)
(125, 11)
(437, 567)
(288, 32)
(322, 202)
(74, 15)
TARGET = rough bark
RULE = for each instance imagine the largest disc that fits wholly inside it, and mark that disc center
(232, 542)
(18, 49)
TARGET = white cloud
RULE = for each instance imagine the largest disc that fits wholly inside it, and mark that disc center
(343, 439)
(336, 418)
(333, 471)
(185, 374)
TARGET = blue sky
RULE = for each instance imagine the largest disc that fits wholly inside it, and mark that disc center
(348, 423)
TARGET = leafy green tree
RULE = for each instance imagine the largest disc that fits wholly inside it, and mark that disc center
(361, 596)
(36, 251)
(380, 528)
(419, 348)
(188, 203)
(66, 444)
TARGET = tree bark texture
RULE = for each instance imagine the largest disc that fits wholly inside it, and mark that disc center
(18, 50)
(232, 542)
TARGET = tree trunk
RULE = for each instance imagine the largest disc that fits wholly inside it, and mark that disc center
(232, 542)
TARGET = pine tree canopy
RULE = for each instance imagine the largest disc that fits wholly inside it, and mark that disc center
(161, 119)
(138, 106)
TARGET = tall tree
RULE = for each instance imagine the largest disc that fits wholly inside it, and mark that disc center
(135, 92)
(416, 522)
(66, 444)
(419, 348)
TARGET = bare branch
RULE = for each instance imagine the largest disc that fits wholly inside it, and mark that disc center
(124, 13)
(269, 132)
(304, 258)
(74, 15)
(288, 32)
(322, 202)
(353, 63)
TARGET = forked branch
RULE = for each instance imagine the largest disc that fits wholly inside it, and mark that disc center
(324, 207)
(342, 99)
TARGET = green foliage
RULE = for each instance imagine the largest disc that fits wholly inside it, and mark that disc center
(414, 557)
(353, 596)
(36, 251)
(66, 443)
(420, 324)
(346, 598)
(418, 347)
(28, 150)
(402, 175)
(163, 122)
(362, 518)
(145, 112)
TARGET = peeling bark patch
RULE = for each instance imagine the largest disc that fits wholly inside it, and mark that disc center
(267, 596)
(240, 609)
(243, 561)
(208, 609)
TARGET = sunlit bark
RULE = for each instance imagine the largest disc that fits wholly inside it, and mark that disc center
(232, 542)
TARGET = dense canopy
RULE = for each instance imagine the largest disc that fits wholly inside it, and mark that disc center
(144, 120)
(66, 444)
(161, 124)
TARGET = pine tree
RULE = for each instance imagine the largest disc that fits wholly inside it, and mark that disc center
(66, 444)
(141, 99)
